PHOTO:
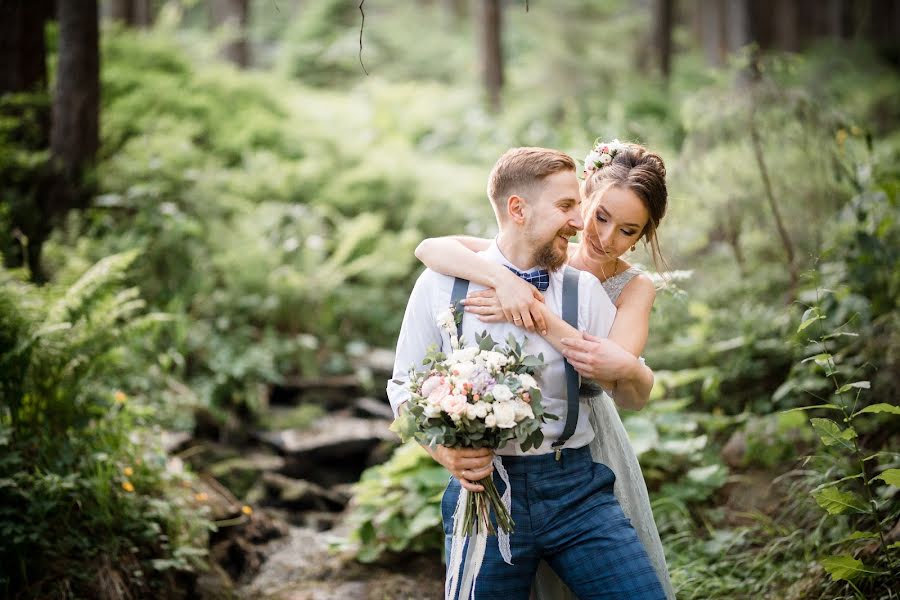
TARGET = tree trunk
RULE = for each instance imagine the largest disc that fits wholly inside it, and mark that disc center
(490, 22)
(122, 10)
(233, 14)
(786, 26)
(23, 58)
(737, 25)
(663, 16)
(143, 13)
(711, 18)
(76, 106)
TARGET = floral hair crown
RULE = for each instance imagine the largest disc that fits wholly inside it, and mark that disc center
(602, 154)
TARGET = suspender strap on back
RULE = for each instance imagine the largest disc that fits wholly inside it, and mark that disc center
(570, 316)
(460, 289)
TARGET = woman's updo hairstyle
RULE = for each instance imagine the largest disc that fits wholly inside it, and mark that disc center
(632, 167)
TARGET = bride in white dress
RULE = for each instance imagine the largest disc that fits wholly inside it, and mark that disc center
(625, 199)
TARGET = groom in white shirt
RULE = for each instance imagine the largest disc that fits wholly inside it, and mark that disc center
(563, 503)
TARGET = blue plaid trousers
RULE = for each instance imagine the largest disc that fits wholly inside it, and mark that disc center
(565, 513)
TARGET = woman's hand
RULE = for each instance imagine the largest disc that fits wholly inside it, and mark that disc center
(516, 302)
(600, 359)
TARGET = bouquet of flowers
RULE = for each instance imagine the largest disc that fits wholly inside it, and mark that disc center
(481, 396)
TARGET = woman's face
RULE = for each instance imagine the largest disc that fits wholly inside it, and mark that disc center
(616, 223)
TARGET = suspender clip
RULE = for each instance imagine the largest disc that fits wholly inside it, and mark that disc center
(558, 453)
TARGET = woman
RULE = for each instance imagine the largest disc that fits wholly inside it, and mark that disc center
(625, 199)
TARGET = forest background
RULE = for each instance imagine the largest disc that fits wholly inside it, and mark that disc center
(209, 206)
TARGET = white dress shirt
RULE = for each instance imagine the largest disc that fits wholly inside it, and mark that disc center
(431, 296)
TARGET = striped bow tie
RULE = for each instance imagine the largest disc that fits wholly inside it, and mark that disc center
(539, 279)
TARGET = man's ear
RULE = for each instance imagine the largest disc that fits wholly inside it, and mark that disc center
(516, 206)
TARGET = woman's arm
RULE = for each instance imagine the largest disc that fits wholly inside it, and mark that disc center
(612, 362)
(456, 256)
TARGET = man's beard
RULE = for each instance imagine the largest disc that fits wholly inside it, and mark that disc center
(549, 256)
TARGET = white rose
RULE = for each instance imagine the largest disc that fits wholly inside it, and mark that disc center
(481, 409)
(505, 413)
(446, 322)
(471, 412)
(463, 354)
(605, 159)
(462, 372)
(527, 381)
(432, 410)
(523, 411)
(591, 160)
(501, 393)
(490, 421)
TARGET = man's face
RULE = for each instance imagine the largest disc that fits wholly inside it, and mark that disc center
(554, 216)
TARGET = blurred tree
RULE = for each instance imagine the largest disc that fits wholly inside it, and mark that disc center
(663, 17)
(710, 19)
(490, 23)
(233, 14)
(135, 13)
(23, 58)
(74, 136)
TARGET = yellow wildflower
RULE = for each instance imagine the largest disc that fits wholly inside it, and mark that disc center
(841, 136)
(128, 471)
(201, 497)
(246, 510)
(127, 486)
(120, 397)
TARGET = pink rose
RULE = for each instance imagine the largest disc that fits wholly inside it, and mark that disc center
(454, 404)
(430, 384)
(438, 394)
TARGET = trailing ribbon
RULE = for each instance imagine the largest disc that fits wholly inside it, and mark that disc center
(471, 565)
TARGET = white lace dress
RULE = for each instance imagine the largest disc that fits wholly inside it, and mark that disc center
(612, 447)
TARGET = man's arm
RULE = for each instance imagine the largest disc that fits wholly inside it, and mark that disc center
(417, 333)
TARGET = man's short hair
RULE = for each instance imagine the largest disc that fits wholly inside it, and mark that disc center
(519, 171)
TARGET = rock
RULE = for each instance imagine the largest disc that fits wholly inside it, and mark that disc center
(370, 407)
(378, 360)
(299, 494)
(214, 584)
(331, 436)
(735, 450)
(335, 449)
(239, 474)
(174, 441)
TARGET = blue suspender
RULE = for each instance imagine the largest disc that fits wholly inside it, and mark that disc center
(570, 316)
(460, 288)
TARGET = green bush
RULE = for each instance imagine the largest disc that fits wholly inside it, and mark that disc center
(86, 500)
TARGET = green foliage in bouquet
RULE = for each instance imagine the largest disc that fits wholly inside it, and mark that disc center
(85, 497)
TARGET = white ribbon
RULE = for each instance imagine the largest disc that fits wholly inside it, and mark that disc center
(477, 545)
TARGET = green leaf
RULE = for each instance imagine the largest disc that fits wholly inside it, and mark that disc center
(837, 502)
(832, 435)
(863, 385)
(881, 407)
(799, 408)
(861, 535)
(821, 359)
(809, 322)
(890, 477)
(844, 567)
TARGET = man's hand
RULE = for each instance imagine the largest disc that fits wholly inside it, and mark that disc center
(466, 464)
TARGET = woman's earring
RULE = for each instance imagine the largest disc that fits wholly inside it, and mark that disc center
(633, 248)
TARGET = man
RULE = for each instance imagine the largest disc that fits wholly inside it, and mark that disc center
(562, 502)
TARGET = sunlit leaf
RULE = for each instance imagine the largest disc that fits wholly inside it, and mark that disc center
(844, 567)
(837, 502)
(881, 407)
(863, 385)
(832, 435)
(890, 477)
